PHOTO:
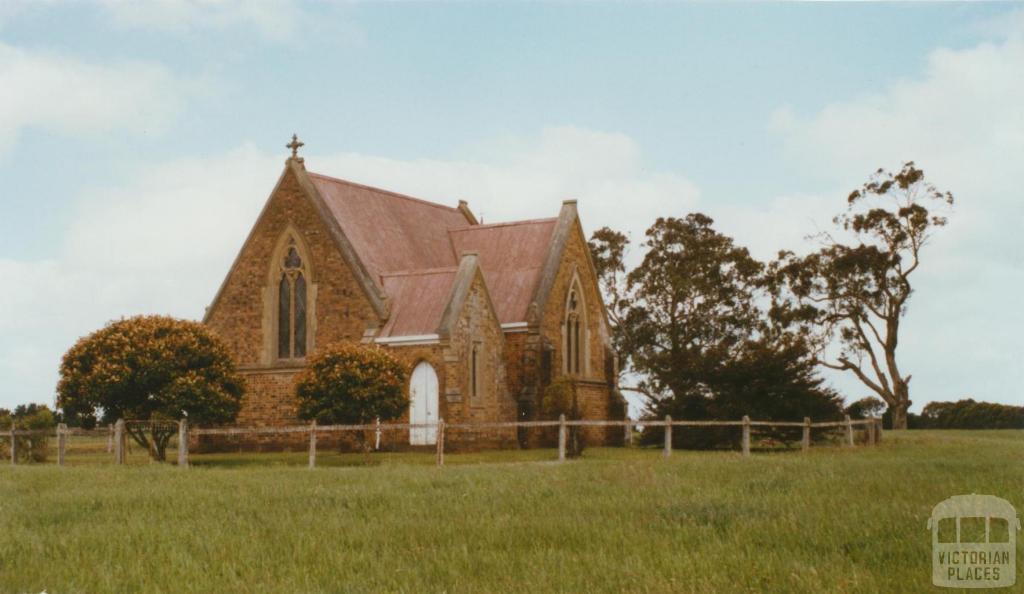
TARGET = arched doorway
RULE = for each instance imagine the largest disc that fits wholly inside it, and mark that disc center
(423, 404)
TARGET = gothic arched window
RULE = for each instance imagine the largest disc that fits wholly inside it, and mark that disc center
(573, 332)
(291, 306)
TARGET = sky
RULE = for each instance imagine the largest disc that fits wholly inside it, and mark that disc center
(138, 142)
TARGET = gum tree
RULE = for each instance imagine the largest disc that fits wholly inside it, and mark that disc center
(857, 291)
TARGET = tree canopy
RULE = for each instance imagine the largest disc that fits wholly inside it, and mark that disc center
(31, 417)
(855, 288)
(695, 327)
(153, 368)
(350, 383)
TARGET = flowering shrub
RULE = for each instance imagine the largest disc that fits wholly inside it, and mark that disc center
(150, 368)
(349, 383)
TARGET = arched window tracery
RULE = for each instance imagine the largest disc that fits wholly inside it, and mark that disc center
(575, 330)
(292, 305)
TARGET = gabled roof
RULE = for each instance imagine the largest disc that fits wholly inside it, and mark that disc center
(418, 300)
(405, 253)
(409, 246)
(391, 232)
(512, 257)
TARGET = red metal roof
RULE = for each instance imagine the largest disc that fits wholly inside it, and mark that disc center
(412, 248)
(511, 257)
(418, 300)
(390, 231)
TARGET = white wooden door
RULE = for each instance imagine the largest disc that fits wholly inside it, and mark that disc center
(423, 404)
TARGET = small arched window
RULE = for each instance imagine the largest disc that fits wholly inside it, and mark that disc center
(291, 306)
(573, 344)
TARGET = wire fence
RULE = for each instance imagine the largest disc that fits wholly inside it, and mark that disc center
(132, 442)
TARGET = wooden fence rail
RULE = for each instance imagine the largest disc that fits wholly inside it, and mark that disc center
(118, 435)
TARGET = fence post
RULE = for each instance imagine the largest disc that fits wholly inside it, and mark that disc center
(849, 431)
(562, 435)
(119, 442)
(61, 442)
(878, 430)
(806, 443)
(746, 435)
(110, 438)
(440, 441)
(628, 438)
(376, 435)
(871, 432)
(183, 443)
(312, 444)
(668, 436)
(14, 445)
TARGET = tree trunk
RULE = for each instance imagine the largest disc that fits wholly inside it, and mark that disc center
(899, 415)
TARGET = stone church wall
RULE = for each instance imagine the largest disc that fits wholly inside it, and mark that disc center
(477, 324)
(342, 312)
(595, 388)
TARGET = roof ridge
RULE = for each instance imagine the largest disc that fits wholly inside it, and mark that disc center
(504, 224)
(383, 191)
(420, 271)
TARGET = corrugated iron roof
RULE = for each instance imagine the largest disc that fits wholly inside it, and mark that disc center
(412, 248)
(417, 301)
(511, 257)
(390, 231)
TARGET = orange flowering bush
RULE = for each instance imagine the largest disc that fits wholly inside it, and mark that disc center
(150, 368)
(349, 383)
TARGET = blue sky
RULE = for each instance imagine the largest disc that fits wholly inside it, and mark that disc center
(138, 141)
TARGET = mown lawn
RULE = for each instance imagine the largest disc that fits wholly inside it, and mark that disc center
(837, 520)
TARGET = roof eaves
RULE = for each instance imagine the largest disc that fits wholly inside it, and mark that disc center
(505, 224)
(419, 272)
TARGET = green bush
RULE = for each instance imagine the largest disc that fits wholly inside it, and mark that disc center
(28, 417)
(561, 397)
(765, 383)
(867, 407)
(968, 414)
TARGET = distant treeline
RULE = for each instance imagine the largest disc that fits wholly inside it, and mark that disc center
(966, 414)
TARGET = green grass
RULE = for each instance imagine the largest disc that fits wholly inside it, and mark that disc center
(837, 520)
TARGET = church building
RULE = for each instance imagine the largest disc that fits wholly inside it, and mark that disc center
(484, 315)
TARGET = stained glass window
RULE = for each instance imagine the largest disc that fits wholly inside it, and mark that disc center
(573, 334)
(284, 319)
(300, 316)
(292, 306)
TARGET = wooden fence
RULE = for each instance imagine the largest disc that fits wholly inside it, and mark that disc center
(117, 433)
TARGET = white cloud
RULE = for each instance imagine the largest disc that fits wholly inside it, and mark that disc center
(162, 242)
(529, 178)
(60, 93)
(962, 121)
(275, 19)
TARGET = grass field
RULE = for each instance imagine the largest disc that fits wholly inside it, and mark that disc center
(836, 520)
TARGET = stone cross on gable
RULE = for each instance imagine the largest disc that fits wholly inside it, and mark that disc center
(294, 145)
